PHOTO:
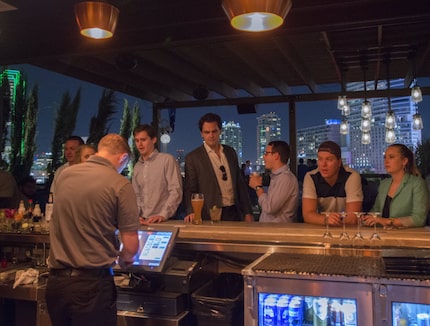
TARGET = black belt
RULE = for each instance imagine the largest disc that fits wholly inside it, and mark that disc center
(81, 272)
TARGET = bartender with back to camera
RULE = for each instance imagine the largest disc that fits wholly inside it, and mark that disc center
(92, 201)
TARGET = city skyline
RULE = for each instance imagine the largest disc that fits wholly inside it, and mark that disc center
(186, 135)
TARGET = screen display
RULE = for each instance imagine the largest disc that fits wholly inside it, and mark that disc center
(155, 246)
(405, 313)
(285, 309)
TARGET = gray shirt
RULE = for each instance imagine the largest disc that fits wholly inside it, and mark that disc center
(157, 183)
(92, 200)
(280, 203)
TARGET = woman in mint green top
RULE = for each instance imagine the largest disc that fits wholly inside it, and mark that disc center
(403, 199)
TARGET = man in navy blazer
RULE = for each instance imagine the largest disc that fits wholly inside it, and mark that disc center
(213, 169)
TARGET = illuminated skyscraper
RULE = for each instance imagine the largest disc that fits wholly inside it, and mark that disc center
(268, 129)
(232, 135)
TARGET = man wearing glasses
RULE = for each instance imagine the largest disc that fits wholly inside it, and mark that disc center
(279, 204)
(213, 169)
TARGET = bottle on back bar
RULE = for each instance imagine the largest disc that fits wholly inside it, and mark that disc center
(49, 207)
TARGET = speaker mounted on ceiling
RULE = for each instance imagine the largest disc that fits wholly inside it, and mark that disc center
(246, 108)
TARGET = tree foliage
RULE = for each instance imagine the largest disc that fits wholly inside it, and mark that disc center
(99, 124)
(125, 128)
(17, 129)
(30, 126)
(4, 109)
(136, 118)
(422, 157)
(65, 123)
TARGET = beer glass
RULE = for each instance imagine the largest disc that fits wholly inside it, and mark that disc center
(197, 201)
(215, 213)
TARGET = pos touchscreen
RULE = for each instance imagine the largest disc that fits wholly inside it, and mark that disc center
(155, 246)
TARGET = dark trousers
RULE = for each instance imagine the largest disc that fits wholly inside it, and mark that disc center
(230, 213)
(81, 300)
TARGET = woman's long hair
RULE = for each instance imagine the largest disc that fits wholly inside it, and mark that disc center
(405, 152)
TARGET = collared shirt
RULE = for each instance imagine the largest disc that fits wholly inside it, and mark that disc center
(57, 174)
(157, 183)
(226, 186)
(92, 201)
(280, 202)
(333, 198)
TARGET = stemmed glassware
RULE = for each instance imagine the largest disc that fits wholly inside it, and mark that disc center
(358, 235)
(375, 234)
(344, 235)
(327, 234)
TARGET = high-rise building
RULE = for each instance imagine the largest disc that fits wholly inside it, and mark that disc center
(308, 139)
(232, 135)
(268, 129)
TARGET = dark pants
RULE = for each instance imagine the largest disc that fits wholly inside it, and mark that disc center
(81, 300)
(230, 213)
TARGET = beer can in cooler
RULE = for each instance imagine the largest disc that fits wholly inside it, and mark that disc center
(309, 313)
(349, 309)
(295, 311)
(320, 307)
(423, 319)
(282, 308)
(270, 314)
(336, 314)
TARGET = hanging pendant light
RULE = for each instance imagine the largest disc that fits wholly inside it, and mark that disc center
(366, 109)
(341, 102)
(390, 120)
(365, 138)
(416, 94)
(417, 121)
(346, 110)
(390, 136)
(365, 125)
(390, 117)
(344, 127)
(96, 19)
(256, 15)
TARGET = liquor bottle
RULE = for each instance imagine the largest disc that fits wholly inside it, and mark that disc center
(21, 208)
(49, 207)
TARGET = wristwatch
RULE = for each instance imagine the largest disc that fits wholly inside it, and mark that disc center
(258, 188)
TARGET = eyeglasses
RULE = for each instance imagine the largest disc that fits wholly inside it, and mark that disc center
(224, 173)
(266, 153)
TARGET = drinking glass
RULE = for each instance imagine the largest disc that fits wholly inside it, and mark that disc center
(375, 234)
(327, 233)
(358, 235)
(197, 201)
(215, 213)
(344, 235)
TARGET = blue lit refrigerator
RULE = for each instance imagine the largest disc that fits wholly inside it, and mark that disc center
(297, 289)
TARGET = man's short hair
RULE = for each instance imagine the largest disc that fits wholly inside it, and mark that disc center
(114, 144)
(210, 117)
(331, 147)
(150, 130)
(77, 138)
(281, 147)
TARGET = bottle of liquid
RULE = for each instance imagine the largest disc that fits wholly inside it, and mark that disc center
(49, 207)
(37, 213)
(21, 208)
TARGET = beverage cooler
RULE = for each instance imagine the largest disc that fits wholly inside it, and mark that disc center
(304, 289)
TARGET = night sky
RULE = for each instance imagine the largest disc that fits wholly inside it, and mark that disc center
(186, 135)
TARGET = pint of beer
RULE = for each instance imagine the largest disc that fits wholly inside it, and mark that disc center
(197, 201)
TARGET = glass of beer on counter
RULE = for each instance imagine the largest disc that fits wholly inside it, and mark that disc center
(197, 201)
(215, 213)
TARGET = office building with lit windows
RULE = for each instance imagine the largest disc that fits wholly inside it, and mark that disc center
(268, 129)
(232, 135)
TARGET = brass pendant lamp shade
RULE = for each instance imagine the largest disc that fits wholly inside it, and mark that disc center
(256, 15)
(96, 19)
